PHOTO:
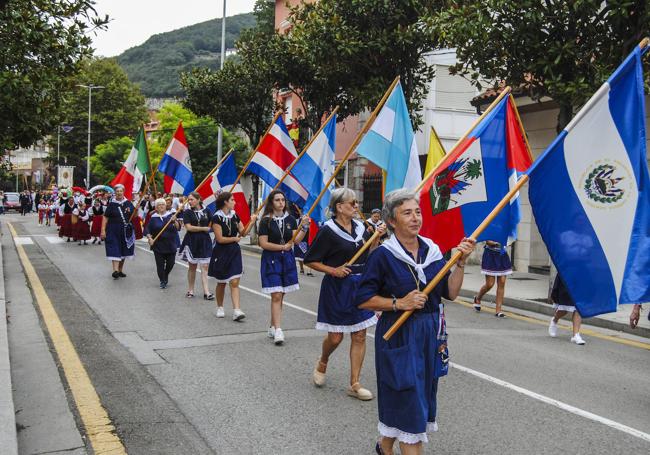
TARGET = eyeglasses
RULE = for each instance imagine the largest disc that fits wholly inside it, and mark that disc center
(353, 202)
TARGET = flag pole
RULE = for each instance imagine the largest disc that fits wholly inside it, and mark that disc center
(180, 207)
(441, 274)
(286, 173)
(149, 180)
(146, 144)
(250, 158)
(352, 148)
(494, 103)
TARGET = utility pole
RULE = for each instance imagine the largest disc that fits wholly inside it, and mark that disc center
(90, 97)
(223, 57)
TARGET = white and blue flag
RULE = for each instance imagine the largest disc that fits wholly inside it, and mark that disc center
(315, 168)
(590, 194)
(390, 144)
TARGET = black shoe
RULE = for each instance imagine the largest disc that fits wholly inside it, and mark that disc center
(122, 275)
(68, 240)
(162, 285)
(310, 274)
(115, 275)
(94, 241)
(208, 296)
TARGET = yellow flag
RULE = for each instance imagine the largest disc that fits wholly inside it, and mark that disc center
(436, 152)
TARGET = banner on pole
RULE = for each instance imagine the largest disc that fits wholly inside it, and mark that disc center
(65, 176)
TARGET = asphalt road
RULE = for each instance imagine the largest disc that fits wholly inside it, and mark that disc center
(176, 380)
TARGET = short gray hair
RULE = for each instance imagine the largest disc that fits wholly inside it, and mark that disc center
(395, 199)
(159, 201)
(339, 195)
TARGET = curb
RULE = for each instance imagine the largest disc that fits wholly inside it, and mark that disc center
(8, 435)
(529, 305)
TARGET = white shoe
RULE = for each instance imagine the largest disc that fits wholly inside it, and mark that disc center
(271, 332)
(552, 328)
(577, 339)
(238, 315)
(278, 338)
(220, 313)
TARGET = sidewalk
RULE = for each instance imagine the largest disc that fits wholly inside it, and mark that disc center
(528, 291)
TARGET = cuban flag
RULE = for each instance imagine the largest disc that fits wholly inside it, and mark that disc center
(315, 168)
(390, 144)
(274, 155)
(473, 178)
(175, 165)
(222, 180)
(590, 195)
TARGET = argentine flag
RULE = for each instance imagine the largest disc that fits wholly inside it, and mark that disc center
(390, 144)
(590, 194)
(315, 168)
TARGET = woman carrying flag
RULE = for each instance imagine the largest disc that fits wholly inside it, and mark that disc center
(278, 267)
(226, 263)
(196, 248)
(166, 246)
(117, 230)
(335, 244)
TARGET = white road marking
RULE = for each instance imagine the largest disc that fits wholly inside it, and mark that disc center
(53, 239)
(529, 393)
(23, 240)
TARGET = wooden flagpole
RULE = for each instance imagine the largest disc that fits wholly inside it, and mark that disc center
(286, 173)
(146, 144)
(432, 284)
(198, 186)
(250, 158)
(351, 149)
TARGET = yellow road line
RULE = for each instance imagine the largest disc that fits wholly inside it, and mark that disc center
(591, 333)
(99, 428)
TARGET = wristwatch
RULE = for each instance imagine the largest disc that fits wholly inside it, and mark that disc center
(394, 303)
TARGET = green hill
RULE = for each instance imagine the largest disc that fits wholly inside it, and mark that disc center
(155, 65)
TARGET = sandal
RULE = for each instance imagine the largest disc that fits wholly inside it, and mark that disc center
(189, 294)
(477, 304)
(317, 377)
(499, 315)
(378, 449)
(208, 296)
(358, 392)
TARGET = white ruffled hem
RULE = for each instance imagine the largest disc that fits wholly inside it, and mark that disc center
(229, 279)
(499, 273)
(403, 436)
(284, 289)
(186, 255)
(347, 328)
(111, 258)
(569, 308)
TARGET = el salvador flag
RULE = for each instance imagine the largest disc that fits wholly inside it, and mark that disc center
(590, 194)
(315, 168)
(390, 144)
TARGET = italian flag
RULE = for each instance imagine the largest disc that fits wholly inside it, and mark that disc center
(136, 165)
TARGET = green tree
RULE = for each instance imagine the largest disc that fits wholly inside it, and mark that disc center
(109, 157)
(560, 49)
(117, 110)
(42, 44)
(201, 134)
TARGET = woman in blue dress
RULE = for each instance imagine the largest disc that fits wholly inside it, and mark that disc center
(196, 248)
(167, 243)
(335, 244)
(117, 230)
(409, 364)
(226, 263)
(278, 265)
(495, 265)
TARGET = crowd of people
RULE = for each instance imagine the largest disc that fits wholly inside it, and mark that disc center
(374, 290)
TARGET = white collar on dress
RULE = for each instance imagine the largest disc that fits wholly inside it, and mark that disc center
(433, 254)
(279, 218)
(344, 235)
(223, 215)
(168, 212)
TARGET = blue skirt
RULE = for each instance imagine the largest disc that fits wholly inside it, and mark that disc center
(225, 263)
(495, 263)
(116, 244)
(278, 272)
(336, 309)
(196, 248)
(407, 377)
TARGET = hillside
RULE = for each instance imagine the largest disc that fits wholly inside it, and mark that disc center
(156, 64)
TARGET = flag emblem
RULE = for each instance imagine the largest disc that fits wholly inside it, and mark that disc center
(450, 184)
(606, 184)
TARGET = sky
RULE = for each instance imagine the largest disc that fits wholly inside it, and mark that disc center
(134, 21)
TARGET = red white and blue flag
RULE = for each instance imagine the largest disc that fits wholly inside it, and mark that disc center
(175, 165)
(473, 178)
(222, 180)
(274, 155)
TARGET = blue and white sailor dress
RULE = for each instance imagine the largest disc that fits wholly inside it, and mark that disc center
(226, 262)
(337, 309)
(197, 246)
(409, 364)
(169, 241)
(120, 237)
(496, 261)
(560, 296)
(278, 268)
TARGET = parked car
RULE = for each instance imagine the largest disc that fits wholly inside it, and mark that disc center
(12, 201)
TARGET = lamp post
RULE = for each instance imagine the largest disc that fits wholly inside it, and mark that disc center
(90, 97)
(223, 57)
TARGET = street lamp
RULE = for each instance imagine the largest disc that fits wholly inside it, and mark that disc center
(90, 97)
(223, 56)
